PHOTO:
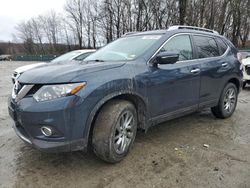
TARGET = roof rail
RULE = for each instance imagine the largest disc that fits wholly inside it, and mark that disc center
(175, 27)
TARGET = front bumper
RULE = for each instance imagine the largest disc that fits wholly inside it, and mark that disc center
(47, 146)
(60, 115)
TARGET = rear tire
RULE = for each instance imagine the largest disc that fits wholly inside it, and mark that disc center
(227, 102)
(114, 130)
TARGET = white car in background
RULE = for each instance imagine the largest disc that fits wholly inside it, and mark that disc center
(246, 71)
(77, 55)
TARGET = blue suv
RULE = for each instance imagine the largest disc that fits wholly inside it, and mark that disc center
(137, 81)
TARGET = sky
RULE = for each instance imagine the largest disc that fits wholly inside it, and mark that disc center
(13, 12)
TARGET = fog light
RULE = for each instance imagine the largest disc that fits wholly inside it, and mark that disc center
(46, 131)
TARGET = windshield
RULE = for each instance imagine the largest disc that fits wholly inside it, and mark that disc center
(66, 57)
(128, 48)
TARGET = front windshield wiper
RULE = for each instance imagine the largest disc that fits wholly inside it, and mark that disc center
(95, 60)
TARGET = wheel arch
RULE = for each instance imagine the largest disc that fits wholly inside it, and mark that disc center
(137, 100)
(235, 81)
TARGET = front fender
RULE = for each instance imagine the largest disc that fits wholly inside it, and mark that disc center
(105, 93)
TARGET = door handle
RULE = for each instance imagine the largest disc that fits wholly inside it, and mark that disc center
(224, 64)
(195, 71)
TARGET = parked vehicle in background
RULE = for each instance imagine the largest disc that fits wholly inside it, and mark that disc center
(246, 70)
(5, 57)
(76, 55)
(244, 53)
(135, 82)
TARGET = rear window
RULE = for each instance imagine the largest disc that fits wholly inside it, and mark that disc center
(206, 46)
(222, 45)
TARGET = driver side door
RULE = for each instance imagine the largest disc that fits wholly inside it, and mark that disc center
(174, 88)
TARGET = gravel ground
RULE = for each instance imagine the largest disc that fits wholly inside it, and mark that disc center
(168, 155)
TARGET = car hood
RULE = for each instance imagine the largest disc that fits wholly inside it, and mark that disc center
(65, 72)
(246, 61)
(24, 68)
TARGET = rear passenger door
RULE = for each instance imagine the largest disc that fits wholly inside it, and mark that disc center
(214, 67)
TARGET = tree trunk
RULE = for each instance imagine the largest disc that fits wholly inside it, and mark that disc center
(182, 11)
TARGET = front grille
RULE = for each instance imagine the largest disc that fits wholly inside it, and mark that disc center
(248, 69)
(34, 89)
(17, 87)
(20, 90)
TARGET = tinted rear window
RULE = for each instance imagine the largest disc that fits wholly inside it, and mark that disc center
(206, 47)
(222, 45)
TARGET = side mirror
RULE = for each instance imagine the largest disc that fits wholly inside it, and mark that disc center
(167, 57)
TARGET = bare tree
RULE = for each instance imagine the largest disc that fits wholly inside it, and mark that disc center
(182, 11)
(51, 25)
(25, 33)
(75, 11)
(94, 23)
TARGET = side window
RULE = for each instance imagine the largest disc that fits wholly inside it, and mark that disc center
(181, 44)
(222, 45)
(206, 46)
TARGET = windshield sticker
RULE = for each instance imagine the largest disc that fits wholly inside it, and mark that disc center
(130, 57)
(151, 37)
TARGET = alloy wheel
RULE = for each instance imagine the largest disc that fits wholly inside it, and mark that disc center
(230, 100)
(124, 132)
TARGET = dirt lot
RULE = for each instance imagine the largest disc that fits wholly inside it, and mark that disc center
(169, 155)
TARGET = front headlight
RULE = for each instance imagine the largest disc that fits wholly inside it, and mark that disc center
(49, 92)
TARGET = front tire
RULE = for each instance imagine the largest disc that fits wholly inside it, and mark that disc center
(114, 130)
(227, 102)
